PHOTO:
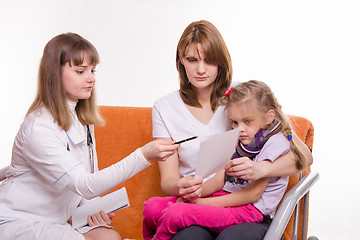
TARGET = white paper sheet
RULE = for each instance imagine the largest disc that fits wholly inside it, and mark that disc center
(215, 151)
(109, 203)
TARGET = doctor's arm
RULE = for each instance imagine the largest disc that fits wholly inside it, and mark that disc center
(90, 185)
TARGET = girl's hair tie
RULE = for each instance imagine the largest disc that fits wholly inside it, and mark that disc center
(289, 137)
(228, 91)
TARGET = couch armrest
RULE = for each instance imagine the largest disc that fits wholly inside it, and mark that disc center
(288, 204)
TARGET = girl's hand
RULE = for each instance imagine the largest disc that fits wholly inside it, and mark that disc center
(181, 200)
(200, 201)
(159, 149)
(100, 218)
(196, 201)
(190, 188)
(244, 168)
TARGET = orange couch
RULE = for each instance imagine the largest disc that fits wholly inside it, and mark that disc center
(128, 128)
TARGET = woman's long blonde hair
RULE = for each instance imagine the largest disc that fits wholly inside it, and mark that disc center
(216, 52)
(65, 48)
(260, 96)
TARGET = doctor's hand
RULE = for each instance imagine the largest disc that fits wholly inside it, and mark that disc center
(190, 188)
(159, 149)
(100, 218)
(244, 168)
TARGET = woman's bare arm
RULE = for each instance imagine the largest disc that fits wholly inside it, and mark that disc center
(169, 173)
(173, 185)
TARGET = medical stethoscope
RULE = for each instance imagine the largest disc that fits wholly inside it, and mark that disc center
(89, 143)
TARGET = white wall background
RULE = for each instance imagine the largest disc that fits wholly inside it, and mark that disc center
(307, 51)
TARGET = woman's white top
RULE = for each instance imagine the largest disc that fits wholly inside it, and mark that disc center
(172, 119)
(50, 170)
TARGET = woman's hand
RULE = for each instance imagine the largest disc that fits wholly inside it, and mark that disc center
(159, 149)
(244, 168)
(190, 188)
(100, 218)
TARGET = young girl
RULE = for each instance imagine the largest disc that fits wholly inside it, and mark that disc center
(205, 73)
(265, 134)
(54, 165)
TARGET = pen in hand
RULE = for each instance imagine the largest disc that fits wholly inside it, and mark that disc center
(185, 140)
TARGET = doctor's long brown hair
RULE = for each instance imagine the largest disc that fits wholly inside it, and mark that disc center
(64, 48)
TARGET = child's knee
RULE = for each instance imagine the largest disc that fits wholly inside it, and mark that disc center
(151, 211)
(150, 206)
(154, 206)
(176, 210)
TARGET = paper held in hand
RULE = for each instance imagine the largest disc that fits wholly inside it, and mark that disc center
(109, 203)
(215, 151)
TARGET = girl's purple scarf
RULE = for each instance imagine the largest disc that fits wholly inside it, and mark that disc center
(253, 148)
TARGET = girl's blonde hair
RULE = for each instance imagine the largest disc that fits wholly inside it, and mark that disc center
(65, 48)
(216, 52)
(260, 96)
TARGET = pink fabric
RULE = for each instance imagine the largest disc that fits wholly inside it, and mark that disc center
(163, 217)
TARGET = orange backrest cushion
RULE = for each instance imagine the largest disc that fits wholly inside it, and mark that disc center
(126, 129)
(305, 131)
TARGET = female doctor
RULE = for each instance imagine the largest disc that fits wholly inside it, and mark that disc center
(54, 165)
